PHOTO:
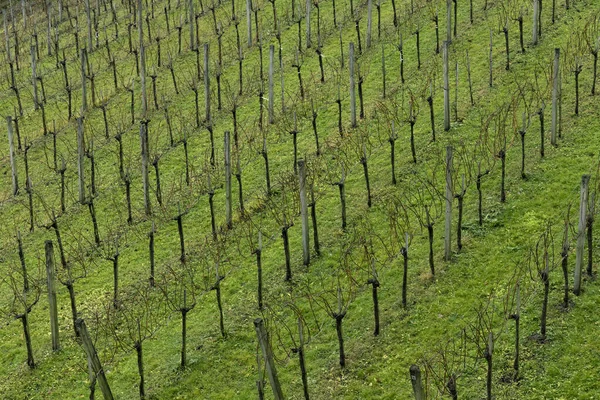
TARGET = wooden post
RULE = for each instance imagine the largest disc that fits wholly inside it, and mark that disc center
(51, 283)
(415, 379)
(304, 212)
(34, 78)
(536, 19)
(144, 153)
(142, 60)
(263, 341)
(227, 180)
(192, 19)
(271, 93)
(90, 351)
(369, 23)
(89, 24)
(555, 95)
(13, 161)
(307, 18)
(249, 21)
(80, 159)
(449, 197)
(583, 199)
(281, 77)
(446, 87)
(82, 58)
(352, 92)
(448, 21)
(206, 85)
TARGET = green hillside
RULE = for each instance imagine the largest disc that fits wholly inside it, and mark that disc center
(516, 170)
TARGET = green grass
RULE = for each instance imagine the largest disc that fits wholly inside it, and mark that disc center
(377, 367)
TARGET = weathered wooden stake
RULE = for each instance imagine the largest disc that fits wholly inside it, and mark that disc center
(145, 155)
(415, 378)
(192, 19)
(142, 60)
(249, 21)
(448, 21)
(352, 92)
(446, 87)
(90, 351)
(369, 23)
(82, 58)
(583, 200)
(51, 284)
(307, 20)
(263, 340)
(536, 19)
(34, 78)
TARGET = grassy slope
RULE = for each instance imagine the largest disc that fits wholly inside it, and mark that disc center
(377, 366)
